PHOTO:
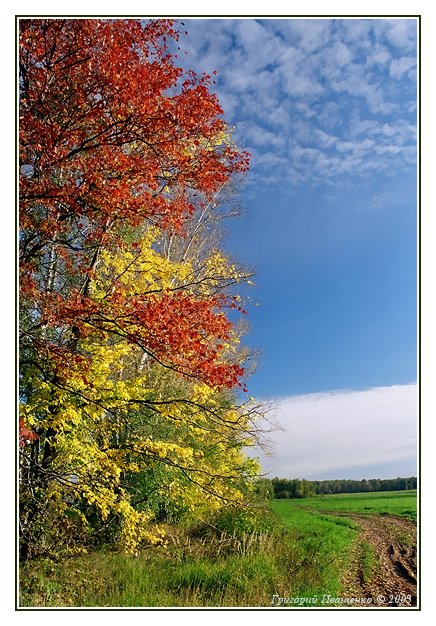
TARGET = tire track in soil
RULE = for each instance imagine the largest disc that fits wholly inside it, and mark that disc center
(393, 540)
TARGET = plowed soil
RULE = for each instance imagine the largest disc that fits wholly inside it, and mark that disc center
(392, 581)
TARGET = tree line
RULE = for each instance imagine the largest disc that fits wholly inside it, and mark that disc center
(297, 488)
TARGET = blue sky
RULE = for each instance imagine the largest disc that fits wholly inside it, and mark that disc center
(327, 108)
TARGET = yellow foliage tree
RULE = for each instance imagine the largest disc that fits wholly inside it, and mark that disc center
(133, 439)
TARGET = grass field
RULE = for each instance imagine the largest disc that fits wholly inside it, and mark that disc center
(401, 503)
(329, 529)
(324, 543)
(303, 550)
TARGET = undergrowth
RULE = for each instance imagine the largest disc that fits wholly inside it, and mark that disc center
(241, 558)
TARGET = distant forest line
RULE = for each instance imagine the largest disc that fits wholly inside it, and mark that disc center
(301, 488)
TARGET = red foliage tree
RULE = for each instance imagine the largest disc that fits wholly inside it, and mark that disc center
(114, 136)
(25, 435)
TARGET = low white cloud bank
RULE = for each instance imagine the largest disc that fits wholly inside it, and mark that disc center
(345, 434)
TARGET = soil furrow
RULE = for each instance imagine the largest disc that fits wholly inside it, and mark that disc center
(392, 581)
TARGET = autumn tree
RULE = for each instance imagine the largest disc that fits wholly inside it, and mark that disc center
(128, 357)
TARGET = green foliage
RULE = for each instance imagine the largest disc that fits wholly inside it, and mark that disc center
(296, 488)
(236, 521)
(263, 490)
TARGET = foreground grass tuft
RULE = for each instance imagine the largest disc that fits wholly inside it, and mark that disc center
(368, 562)
(206, 566)
(110, 580)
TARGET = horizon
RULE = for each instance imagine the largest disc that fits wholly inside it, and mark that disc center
(341, 479)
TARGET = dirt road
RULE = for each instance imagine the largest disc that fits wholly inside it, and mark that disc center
(392, 579)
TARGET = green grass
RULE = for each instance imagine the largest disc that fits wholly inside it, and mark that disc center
(299, 558)
(324, 543)
(401, 503)
(368, 562)
(111, 580)
(327, 535)
(301, 550)
(221, 570)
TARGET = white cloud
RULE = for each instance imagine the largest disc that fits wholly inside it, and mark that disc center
(341, 54)
(399, 67)
(309, 34)
(340, 430)
(329, 115)
(356, 31)
(303, 108)
(379, 56)
(323, 139)
(382, 199)
(261, 137)
(304, 87)
(259, 46)
(279, 117)
(357, 85)
(401, 33)
(296, 75)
